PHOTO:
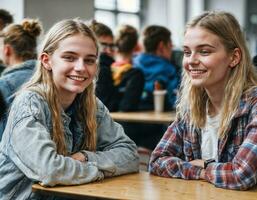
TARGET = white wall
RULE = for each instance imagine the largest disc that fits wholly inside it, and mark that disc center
(15, 7)
(236, 7)
(176, 21)
(168, 13)
(239, 9)
(195, 7)
(171, 13)
(51, 11)
(156, 12)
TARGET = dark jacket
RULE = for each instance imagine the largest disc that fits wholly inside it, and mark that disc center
(2, 68)
(105, 89)
(158, 69)
(123, 97)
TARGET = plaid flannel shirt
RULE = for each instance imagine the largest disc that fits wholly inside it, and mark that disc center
(237, 151)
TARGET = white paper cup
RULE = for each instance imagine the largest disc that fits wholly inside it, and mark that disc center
(159, 97)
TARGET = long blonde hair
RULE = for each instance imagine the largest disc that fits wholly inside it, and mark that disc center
(42, 82)
(242, 78)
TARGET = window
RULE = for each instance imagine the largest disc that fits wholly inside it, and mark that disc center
(117, 12)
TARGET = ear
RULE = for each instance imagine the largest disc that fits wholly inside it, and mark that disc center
(137, 48)
(45, 60)
(236, 57)
(160, 47)
(7, 49)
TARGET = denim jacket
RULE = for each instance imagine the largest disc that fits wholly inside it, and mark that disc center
(11, 80)
(13, 77)
(28, 154)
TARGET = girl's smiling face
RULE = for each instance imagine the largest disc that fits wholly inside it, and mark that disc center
(206, 60)
(73, 65)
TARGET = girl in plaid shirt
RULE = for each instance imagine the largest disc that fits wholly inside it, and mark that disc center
(215, 134)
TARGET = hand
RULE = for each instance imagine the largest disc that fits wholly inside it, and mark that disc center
(197, 162)
(79, 156)
(202, 174)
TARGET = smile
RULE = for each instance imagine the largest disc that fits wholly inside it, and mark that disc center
(197, 71)
(77, 78)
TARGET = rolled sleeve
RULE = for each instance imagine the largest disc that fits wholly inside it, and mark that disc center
(167, 158)
(116, 154)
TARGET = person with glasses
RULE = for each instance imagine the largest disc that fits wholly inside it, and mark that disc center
(105, 88)
(107, 46)
(58, 132)
(119, 91)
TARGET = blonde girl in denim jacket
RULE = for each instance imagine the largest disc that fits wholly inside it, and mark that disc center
(57, 131)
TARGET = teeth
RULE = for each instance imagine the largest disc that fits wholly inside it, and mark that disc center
(197, 71)
(77, 78)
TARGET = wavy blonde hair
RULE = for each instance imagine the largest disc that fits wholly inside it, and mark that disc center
(242, 78)
(42, 82)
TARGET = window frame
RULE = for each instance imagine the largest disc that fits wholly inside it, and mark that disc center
(116, 12)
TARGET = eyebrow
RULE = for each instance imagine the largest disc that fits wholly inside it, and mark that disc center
(202, 45)
(71, 52)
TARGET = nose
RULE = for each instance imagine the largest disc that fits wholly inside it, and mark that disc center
(193, 59)
(80, 66)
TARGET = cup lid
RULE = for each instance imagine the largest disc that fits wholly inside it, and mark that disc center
(159, 92)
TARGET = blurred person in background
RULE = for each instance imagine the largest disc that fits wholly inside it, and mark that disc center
(128, 80)
(19, 54)
(156, 66)
(105, 89)
(5, 19)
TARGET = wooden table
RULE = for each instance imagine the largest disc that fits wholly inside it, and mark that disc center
(143, 186)
(144, 117)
